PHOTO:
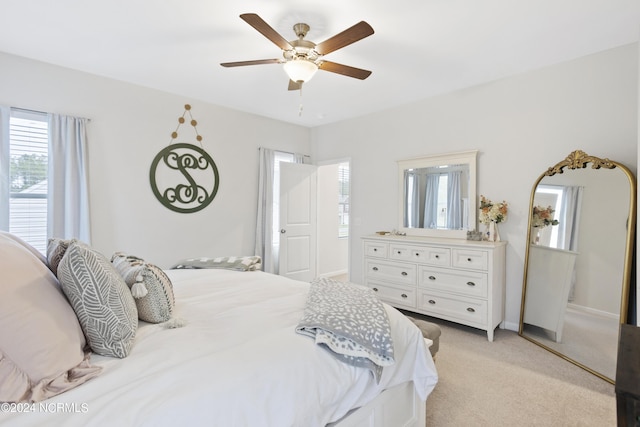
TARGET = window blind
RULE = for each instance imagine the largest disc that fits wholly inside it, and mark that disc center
(29, 148)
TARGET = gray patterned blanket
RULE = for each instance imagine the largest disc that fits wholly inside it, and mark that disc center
(239, 263)
(350, 322)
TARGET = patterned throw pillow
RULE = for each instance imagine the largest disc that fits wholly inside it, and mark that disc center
(101, 299)
(55, 251)
(150, 286)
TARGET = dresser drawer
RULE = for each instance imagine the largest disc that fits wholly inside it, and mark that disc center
(390, 271)
(465, 310)
(394, 295)
(471, 283)
(469, 258)
(421, 254)
(375, 249)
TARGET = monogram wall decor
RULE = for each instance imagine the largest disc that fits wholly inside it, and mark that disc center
(184, 177)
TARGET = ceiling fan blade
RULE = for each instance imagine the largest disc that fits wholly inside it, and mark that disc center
(294, 85)
(254, 62)
(265, 29)
(345, 70)
(345, 38)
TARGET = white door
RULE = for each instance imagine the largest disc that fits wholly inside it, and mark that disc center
(297, 257)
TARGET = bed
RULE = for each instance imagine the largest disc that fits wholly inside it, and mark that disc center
(230, 356)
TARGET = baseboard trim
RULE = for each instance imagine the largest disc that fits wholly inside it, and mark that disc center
(334, 273)
(511, 326)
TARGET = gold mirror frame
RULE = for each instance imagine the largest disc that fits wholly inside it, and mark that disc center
(580, 160)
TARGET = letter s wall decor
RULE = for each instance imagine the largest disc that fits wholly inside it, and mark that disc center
(184, 177)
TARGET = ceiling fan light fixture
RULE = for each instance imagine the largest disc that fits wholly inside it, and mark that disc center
(300, 70)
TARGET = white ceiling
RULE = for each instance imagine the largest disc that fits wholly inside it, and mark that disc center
(420, 48)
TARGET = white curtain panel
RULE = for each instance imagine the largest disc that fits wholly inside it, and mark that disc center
(570, 221)
(454, 200)
(68, 198)
(5, 114)
(264, 224)
(431, 201)
(569, 226)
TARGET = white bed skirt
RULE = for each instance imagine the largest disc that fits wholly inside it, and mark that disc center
(399, 406)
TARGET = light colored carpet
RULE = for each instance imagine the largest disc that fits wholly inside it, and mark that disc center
(589, 339)
(511, 382)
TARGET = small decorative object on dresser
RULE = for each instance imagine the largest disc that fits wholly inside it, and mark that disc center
(459, 280)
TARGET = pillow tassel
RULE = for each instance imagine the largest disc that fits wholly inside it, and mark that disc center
(139, 290)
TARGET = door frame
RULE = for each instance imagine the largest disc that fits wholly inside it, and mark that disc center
(349, 241)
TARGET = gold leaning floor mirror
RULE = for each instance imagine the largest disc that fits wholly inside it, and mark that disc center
(578, 261)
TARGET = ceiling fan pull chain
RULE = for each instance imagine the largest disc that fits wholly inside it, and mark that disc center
(300, 107)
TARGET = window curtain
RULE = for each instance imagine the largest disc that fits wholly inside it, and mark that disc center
(569, 226)
(5, 114)
(266, 224)
(454, 200)
(570, 222)
(431, 201)
(68, 196)
(412, 211)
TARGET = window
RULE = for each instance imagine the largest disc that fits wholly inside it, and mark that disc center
(28, 153)
(343, 200)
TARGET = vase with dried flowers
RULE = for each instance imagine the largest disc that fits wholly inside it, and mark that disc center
(541, 217)
(491, 214)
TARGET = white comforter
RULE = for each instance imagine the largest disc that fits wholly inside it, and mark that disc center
(237, 362)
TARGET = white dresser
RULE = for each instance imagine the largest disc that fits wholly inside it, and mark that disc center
(458, 280)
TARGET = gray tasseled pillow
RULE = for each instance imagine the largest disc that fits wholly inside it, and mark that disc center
(100, 298)
(150, 287)
(55, 251)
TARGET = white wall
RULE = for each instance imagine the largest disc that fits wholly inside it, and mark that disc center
(332, 251)
(129, 126)
(520, 125)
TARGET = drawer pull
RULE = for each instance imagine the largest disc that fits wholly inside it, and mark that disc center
(404, 296)
(417, 253)
(431, 301)
(375, 249)
(375, 268)
(470, 310)
(399, 252)
(432, 277)
(437, 256)
(404, 273)
(375, 289)
(471, 284)
(469, 259)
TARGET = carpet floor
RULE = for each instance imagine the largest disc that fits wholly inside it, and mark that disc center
(511, 382)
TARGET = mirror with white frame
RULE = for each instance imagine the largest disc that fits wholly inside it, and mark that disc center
(438, 195)
(578, 261)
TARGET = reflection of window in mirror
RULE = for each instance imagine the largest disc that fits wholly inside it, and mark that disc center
(437, 197)
(565, 200)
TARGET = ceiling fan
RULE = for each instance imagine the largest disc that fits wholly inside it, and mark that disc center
(302, 58)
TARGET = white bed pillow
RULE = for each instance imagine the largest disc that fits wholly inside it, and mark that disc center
(26, 245)
(151, 288)
(41, 341)
(101, 299)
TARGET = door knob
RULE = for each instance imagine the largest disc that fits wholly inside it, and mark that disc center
(282, 231)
